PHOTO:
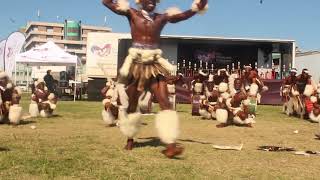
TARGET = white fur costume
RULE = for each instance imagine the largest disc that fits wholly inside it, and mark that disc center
(167, 124)
(112, 96)
(144, 56)
(34, 108)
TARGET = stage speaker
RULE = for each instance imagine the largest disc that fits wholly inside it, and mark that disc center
(63, 79)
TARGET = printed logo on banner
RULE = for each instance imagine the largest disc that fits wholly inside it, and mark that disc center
(101, 51)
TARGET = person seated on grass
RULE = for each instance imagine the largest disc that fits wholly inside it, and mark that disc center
(110, 103)
(10, 110)
(43, 102)
(238, 105)
(290, 93)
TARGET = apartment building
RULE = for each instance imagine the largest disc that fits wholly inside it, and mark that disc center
(70, 35)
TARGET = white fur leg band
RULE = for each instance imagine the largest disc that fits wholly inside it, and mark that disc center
(205, 114)
(107, 117)
(33, 109)
(167, 124)
(195, 8)
(222, 115)
(15, 114)
(130, 124)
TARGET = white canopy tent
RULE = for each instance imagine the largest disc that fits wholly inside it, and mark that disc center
(48, 54)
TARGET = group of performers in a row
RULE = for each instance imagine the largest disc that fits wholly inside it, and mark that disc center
(228, 98)
(301, 96)
(42, 101)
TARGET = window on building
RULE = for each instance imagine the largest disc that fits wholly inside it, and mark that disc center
(35, 28)
(49, 29)
(49, 37)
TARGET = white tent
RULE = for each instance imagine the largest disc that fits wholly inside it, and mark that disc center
(48, 54)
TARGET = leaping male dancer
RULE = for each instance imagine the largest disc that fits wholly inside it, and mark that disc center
(144, 68)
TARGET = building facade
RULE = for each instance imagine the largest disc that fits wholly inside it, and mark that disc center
(69, 35)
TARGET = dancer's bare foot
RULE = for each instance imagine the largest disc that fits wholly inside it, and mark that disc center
(249, 125)
(172, 151)
(221, 125)
(129, 145)
(318, 135)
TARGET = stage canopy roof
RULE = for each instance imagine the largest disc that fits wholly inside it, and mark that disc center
(48, 54)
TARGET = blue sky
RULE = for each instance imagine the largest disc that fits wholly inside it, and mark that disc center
(287, 19)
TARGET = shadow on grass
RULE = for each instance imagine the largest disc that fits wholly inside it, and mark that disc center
(149, 142)
(55, 116)
(26, 122)
(4, 149)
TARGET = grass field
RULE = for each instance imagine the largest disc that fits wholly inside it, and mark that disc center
(76, 145)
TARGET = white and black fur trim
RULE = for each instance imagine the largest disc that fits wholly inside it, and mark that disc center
(15, 114)
(313, 118)
(44, 114)
(145, 56)
(237, 120)
(124, 99)
(222, 115)
(205, 114)
(33, 109)
(107, 117)
(167, 125)
(144, 99)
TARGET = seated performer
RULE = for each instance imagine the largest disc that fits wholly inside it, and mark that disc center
(290, 94)
(10, 110)
(43, 102)
(314, 115)
(238, 105)
(144, 68)
(222, 111)
(253, 85)
(198, 91)
(110, 111)
(306, 89)
(210, 100)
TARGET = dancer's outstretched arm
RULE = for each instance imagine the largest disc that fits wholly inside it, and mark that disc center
(196, 7)
(120, 7)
